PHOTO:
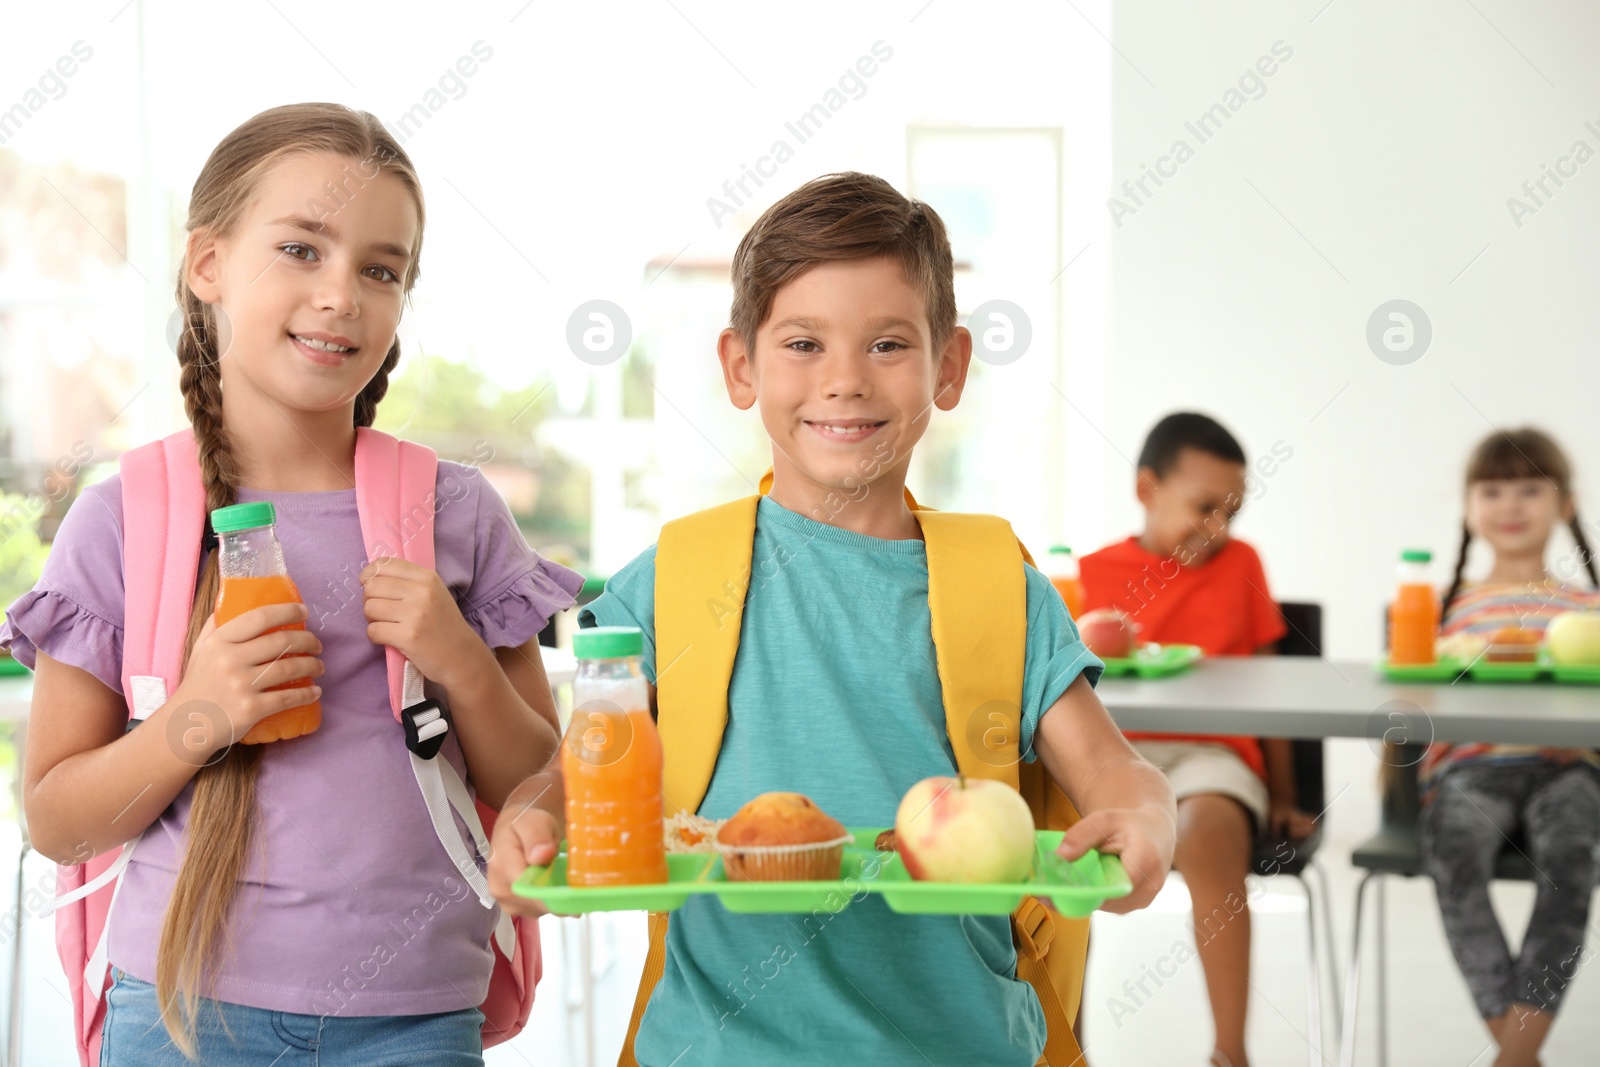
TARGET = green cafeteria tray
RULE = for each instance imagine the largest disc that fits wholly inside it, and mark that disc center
(1486, 670)
(1576, 673)
(1076, 888)
(1444, 669)
(1155, 661)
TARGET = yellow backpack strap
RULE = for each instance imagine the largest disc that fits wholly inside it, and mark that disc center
(700, 593)
(980, 633)
(978, 601)
(655, 965)
(1051, 955)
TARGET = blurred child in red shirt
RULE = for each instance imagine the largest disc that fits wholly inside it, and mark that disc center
(1184, 580)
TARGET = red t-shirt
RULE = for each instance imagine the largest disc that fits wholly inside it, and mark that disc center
(1223, 606)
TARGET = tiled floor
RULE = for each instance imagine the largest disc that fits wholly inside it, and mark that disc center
(1432, 1023)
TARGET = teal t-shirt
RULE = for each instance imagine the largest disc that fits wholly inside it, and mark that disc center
(835, 694)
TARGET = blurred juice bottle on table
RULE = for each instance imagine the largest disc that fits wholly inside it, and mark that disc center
(253, 576)
(1061, 567)
(1414, 614)
(611, 765)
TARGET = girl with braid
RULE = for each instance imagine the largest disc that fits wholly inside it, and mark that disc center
(1478, 796)
(290, 901)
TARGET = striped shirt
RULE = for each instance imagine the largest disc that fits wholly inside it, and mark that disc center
(1481, 609)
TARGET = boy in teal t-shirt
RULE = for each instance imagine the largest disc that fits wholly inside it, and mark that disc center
(844, 336)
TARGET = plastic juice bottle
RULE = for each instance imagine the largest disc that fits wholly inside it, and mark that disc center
(1061, 566)
(1414, 615)
(253, 576)
(611, 765)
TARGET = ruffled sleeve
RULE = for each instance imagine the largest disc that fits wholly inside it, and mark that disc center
(506, 591)
(520, 610)
(74, 613)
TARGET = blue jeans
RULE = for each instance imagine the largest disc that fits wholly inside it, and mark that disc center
(254, 1037)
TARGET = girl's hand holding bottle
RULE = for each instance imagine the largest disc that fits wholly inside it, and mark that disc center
(235, 667)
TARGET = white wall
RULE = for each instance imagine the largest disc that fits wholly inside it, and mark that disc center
(1376, 165)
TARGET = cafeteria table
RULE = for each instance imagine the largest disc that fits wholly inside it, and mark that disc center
(1308, 697)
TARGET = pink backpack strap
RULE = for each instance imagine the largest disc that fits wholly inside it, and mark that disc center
(396, 497)
(163, 521)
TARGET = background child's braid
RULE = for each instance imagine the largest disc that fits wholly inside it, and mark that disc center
(1461, 568)
(1584, 552)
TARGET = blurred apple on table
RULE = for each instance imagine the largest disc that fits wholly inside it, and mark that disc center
(1110, 634)
(965, 830)
(1573, 638)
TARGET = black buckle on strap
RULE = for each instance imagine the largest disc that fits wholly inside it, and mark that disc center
(426, 725)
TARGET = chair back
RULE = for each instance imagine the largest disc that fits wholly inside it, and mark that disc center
(1305, 639)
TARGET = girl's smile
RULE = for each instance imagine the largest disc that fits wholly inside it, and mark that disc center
(329, 350)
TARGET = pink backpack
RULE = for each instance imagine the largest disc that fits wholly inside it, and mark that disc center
(163, 508)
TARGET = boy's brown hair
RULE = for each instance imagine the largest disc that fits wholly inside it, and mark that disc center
(843, 217)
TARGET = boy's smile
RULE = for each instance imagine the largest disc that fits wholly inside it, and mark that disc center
(845, 373)
(847, 431)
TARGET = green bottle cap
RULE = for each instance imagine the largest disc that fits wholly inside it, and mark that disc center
(1416, 555)
(238, 517)
(608, 642)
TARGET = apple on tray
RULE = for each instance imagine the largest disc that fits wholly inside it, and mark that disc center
(963, 829)
(1109, 633)
(1573, 639)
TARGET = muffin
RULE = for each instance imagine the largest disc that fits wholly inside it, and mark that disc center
(782, 837)
(1514, 644)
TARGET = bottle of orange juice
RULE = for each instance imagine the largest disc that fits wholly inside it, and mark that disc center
(611, 765)
(253, 576)
(1414, 615)
(1061, 567)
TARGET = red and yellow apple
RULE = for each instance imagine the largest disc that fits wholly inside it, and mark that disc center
(1109, 633)
(1573, 638)
(965, 830)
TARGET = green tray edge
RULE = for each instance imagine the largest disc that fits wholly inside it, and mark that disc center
(1486, 671)
(1174, 659)
(1447, 669)
(1110, 881)
(1450, 670)
(1576, 673)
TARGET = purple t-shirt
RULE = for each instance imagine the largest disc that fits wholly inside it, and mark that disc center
(348, 904)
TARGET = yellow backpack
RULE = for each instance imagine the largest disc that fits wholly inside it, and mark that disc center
(977, 597)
